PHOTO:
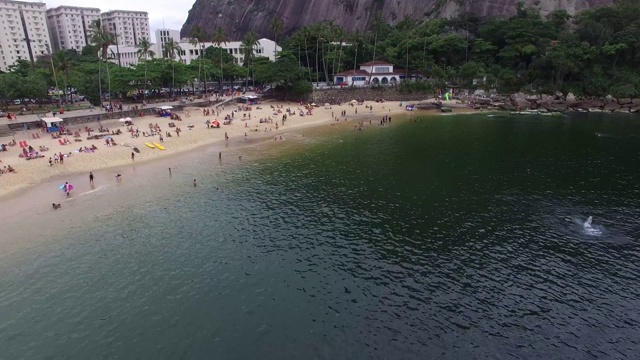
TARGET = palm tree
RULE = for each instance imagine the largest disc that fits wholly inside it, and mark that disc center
(377, 23)
(277, 28)
(219, 38)
(171, 48)
(101, 38)
(145, 52)
(248, 44)
(62, 63)
(198, 37)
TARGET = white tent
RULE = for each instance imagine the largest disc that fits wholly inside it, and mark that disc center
(52, 120)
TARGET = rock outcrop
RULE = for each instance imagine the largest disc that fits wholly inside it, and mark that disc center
(239, 16)
(553, 103)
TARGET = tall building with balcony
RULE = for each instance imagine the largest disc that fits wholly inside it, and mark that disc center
(69, 26)
(130, 27)
(24, 34)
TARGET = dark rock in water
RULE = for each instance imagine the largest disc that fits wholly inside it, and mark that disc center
(558, 107)
(635, 109)
(612, 106)
(520, 102)
(635, 102)
(507, 107)
(593, 104)
(624, 101)
(571, 100)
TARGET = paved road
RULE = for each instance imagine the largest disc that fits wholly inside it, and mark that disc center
(94, 111)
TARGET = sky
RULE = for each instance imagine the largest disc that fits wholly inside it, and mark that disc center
(162, 13)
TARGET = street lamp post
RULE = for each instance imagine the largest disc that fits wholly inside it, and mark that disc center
(53, 70)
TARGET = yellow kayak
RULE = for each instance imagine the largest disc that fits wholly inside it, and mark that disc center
(159, 146)
(149, 145)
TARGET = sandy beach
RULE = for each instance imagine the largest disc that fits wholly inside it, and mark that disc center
(245, 128)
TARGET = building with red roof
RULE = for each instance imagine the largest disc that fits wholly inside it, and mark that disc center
(370, 73)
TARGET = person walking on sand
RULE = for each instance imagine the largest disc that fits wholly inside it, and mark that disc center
(91, 178)
(133, 156)
(169, 172)
(194, 182)
(220, 156)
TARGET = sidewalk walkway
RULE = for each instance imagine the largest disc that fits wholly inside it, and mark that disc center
(95, 111)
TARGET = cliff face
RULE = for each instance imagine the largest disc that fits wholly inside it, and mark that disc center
(239, 16)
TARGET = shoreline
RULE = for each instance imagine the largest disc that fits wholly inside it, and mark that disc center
(20, 196)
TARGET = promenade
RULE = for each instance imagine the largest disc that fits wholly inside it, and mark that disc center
(29, 118)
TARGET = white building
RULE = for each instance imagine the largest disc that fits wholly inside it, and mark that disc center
(128, 54)
(265, 47)
(370, 73)
(23, 34)
(129, 27)
(163, 36)
(69, 26)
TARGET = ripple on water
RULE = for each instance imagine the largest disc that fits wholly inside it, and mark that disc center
(328, 254)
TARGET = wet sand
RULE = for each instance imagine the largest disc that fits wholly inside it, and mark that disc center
(35, 182)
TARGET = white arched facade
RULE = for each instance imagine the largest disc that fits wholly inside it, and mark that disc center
(371, 73)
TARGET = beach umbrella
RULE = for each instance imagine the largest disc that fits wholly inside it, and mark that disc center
(108, 137)
(314, 104)
(122, 120)
(354, 101)
(327, 104)
(128, 119)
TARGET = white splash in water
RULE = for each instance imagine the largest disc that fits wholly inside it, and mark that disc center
(590, 229)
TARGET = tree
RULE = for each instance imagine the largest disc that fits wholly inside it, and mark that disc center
(220, 38)
(14, 86)
(102, 39)
(277, 28)
(248, 45)
(171, 49)
(62, 64)
(144, 53)
(198, 37)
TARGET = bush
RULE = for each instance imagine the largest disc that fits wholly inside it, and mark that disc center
(414, 87)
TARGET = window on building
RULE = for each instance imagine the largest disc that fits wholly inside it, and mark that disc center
(381, 69)
(359, 78)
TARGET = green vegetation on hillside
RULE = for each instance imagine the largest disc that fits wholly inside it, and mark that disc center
(596, 52)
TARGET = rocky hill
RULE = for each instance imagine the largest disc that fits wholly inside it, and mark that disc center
(239, 16)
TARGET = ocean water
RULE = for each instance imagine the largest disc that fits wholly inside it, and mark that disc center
(453, 237)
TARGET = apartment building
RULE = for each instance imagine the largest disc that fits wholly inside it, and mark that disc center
(129, 26)
(163, 36)
(24, 34)
(69, 26)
